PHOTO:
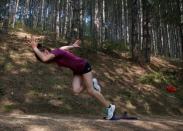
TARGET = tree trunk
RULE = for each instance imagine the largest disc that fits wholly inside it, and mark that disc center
(96, 22)
(57, 19)
(14, 16)
(180, 25)
(146, 36)
(134, 31)
(66, 19)
(103, 21)
(25, 14)
(42, 14)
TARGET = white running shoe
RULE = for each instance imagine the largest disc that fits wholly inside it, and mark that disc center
(110, 112)
(96, 85)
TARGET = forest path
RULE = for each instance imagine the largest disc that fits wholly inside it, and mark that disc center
(54, 122)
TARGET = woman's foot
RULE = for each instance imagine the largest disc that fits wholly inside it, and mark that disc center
(110, 112)
(96, 85)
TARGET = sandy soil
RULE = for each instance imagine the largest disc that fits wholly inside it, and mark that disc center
(53, 122)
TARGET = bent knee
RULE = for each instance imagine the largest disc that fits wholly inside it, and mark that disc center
(76, 94)
(76, 91)
(91, 92)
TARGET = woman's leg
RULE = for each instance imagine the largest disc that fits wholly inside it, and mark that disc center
(110, 109)
(77, 85)
(87, 77)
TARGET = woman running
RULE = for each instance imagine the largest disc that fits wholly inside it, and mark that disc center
(82, 71)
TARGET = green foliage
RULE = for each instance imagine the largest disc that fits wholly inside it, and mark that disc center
(152, 78)
(1, 92)
(3, 7)
(162, 79)
(167, 10)
(9, 108)
(89, 42)
(35, 31)
(158, 78)
(1, 24)
(111, 45)
(18, 25)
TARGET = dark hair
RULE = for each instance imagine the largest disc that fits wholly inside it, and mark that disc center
(42, 49)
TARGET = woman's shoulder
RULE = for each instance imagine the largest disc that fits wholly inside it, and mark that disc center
(57, 51)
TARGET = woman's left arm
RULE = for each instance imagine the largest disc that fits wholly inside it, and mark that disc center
(43, 57)
(75, 45)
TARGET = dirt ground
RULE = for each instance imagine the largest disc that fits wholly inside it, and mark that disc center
(53, 122)
(27, 91)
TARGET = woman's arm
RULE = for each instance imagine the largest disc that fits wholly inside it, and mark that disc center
(42, 56)
(67, 47)
(75, 45)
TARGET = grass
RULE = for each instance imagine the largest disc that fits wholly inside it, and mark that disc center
(161, 80)
(154, 78)
(9, 108)
(1, 91)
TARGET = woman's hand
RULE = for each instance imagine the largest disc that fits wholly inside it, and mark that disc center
(77, 43)
(33, 42)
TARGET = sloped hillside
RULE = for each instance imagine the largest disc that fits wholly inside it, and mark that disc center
(28, 86)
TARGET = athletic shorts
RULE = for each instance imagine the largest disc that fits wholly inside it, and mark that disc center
(87, 68)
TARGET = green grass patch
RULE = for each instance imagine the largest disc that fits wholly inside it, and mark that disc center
(9, 108)
(155, 78)
(1, 92)
(2, 89)
(162, 79)
(119, 46)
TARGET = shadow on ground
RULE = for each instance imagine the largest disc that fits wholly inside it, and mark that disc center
(33, 87)
(52, 122)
